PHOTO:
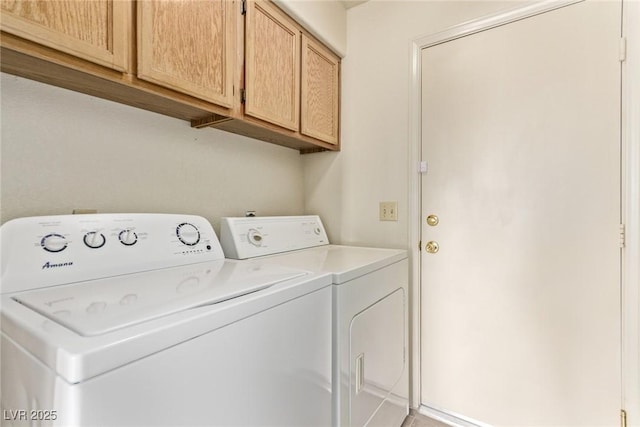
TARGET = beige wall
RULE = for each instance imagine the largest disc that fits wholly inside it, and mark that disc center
(327, 20)
(345, 188)
(63, 150)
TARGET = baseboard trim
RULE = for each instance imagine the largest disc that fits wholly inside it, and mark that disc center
(451, 418)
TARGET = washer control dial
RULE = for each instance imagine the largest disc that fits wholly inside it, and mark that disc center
(255, 237)
(128, 237)
(188, 234)
(54, 242)
(94, 239)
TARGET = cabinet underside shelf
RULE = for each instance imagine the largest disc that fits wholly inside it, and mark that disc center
(248, 129)
(209, 121)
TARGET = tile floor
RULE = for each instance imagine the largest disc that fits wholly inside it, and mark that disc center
(418, 420)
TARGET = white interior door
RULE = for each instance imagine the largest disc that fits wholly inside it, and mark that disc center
(520, 307)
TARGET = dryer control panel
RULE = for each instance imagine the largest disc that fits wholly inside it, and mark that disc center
(251, 237)
(53, 250)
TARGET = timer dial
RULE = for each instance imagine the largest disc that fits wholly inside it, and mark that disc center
(255, 237)
(94, 239)
(188, 234)
(128, 237)
(54, 242)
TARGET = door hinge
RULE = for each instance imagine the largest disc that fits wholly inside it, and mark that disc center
(243, 7)
(243, 96)
(622, 236)
(623, 418)
(420, 245)
(623, 49)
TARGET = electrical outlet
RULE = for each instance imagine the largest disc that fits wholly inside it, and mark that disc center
(388, 211)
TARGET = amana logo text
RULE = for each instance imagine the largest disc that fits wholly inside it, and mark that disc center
(62, 264)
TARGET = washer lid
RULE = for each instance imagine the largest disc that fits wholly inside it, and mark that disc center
(101, 306)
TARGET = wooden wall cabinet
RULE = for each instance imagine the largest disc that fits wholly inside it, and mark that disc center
(272, 66)
(174, 67)
(188, 46)
(246, 68)
(320, 104)
(96, 30)
(291, 84)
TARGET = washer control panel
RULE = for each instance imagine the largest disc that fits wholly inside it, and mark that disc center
(53, 250)
(243, 238)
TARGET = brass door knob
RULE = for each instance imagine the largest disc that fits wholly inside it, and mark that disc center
(433, 220)
(432, 247)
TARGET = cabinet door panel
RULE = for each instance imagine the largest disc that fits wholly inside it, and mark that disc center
(96, 30)
(188, 46)
(320, 97)
(272, 73)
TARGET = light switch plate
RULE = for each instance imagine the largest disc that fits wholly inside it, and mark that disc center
(388, 211)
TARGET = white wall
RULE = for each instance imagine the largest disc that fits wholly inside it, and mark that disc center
(63, 150)
(345, 188)
(327, 20)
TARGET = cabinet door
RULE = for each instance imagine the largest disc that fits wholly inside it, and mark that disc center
(319, 113)
(188, 46)
(272, 66)
(96, 30)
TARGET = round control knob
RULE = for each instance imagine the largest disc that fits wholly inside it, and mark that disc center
(188, 234)
(317, 231)
(128, 237)
(255, 237)
(54, 242)
(94, 240)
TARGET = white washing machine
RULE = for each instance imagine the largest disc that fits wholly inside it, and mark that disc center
(370, 289)
(138, 320)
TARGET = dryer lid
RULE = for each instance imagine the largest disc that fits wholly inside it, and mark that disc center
(101, 306)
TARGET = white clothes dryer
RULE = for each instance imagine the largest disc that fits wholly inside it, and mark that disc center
(370, 290)
(138, 320)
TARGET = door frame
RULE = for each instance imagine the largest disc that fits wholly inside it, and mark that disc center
(630, 163)
(630, 196)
